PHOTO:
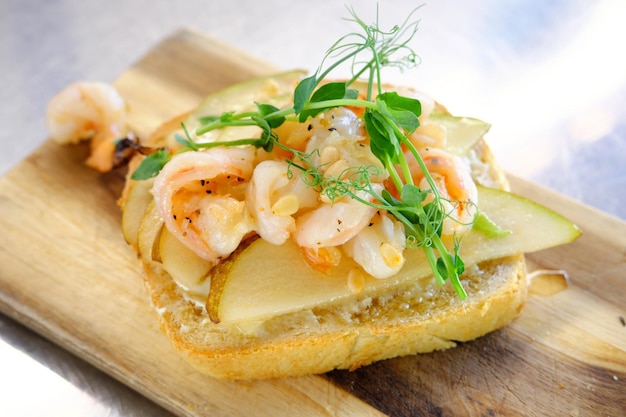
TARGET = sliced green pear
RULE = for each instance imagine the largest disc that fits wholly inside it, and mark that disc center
(149, 233)
(462, 132)
(264, 280)
(185, 267)
(137, 201)
(276, 90)
(530, 226)
(156, 243)
(221, 274)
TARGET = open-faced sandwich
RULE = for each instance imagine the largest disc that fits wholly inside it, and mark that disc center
(293, 225)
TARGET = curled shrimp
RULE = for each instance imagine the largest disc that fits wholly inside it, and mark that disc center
(378, 248)
(200, 197)
(306, 136)
(88, 110)
(336, 126)
(454, 184)
(341, 120)
(339, 147)
(274, 197)
(333, 224)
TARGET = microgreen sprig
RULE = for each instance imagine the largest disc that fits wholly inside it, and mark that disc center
(388, 117)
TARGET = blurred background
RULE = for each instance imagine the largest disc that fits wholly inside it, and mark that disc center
(550, 76)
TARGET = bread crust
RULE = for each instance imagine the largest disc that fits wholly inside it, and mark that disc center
(492, 303)
(339, 337)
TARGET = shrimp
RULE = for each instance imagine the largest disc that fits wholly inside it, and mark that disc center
(378, 248)
(454, 183)
(307, 136)
(339, 149)
(339, 119)
(200, 198)
(274, 198)
(338, 124)
(88, 110)
(333, 224)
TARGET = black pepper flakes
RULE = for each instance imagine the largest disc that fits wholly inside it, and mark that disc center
(309, 127)
(622, 320)
(331, 129)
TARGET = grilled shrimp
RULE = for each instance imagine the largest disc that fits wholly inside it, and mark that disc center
(201, 199)
(306, 136)
(333, 224)
(378, 248)
(88, 110)
(274, 198)
(341, 120)
(454, 183)
(338, 145)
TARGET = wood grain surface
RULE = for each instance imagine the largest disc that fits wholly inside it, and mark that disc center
(66, 272)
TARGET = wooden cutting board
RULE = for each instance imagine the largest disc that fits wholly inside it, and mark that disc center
(66, 272)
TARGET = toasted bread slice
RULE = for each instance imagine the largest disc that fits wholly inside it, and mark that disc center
(341, 337)
(408, 319)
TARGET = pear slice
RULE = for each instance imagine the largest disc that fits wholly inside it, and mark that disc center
(135, 206)
(185, 267)
(462, 132)
(149, 234)
(264, 280)
(220, 275)
(276, 90)
(156, 243)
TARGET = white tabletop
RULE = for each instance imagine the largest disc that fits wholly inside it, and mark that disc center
(550, 76)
